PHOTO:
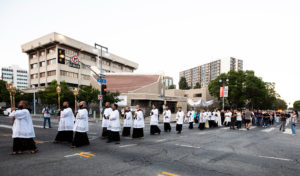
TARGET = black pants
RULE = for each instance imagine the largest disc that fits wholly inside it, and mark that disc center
(80, 139)
(212, 123)
(138, 133)
(126, 131)
(154, 129)
(239, 124)
(196, 120)
(22, 144)
(167, 127)
(201, 126)
(179, 128)
(113, 136)
(105, 132)
(232, 124)
(191, 126)
(64, 136)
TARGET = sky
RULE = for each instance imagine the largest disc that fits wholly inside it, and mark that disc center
(167, 36)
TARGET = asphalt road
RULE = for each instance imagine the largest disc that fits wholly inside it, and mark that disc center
(260, 151)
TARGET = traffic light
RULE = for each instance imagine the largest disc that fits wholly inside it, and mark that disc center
(103, 89)
(61, 56)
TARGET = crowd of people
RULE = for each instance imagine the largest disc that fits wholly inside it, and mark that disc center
(73, 128)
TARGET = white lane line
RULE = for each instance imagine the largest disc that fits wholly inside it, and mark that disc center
(189, 146)
(270, 157)
(161, 140)
(128, 145)
(6, 126)
(268, 130)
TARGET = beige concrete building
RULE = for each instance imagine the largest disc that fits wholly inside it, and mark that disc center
(205, 73)
(194, 94)
(142, 89)
(44, 66)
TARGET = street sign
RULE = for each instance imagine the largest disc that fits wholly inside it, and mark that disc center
(99, 97)
(226, 91)
(99, 80)
(75, 59)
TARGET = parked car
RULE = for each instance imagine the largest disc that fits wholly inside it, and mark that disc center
(7, 112)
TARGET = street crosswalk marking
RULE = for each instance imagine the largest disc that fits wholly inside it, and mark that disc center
(188, 146)
(268, 130)
(128, 145)
(83, 154)
(167, 174)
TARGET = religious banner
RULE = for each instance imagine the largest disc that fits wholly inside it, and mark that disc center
(221, 92)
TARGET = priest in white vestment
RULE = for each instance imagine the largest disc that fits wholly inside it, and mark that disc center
(114, 125)
(154, 121)
(105, 120)
(138, 124)
(167, 119)
(81, 126)
(127, 123)
(66, 124)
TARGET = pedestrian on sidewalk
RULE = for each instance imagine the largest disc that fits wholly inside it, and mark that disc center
(294, 119)
(47, 116)
(239, 119)
(283, 122)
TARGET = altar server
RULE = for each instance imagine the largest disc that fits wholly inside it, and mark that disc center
(190, 116)
(167, 119)
(202, 120)
(66, 124)
(179, 120)
(228, 115)
(105, 120)
(81, 126)
(154, 121)
(114, 125)
(127, 123)
(138, 124)
(22, 129)
(219, 119)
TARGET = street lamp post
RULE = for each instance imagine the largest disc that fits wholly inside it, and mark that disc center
(34, 105)
(75, 92)
(100, 68)
(9, 87)
(223, 100)
(58, 90)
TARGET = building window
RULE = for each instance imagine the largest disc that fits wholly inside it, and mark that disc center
(93, 59)
(118, 66)
(198, 95)
(42, 53)
(51, 61)
(32, 66)
(42, 74)
(51, 73)
(69, 74)
(85, 77)
(42, 64)
(51, 50)
(63, 73)
(105, 62)
(34, 76)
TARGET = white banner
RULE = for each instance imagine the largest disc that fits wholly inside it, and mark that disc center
(226, 91)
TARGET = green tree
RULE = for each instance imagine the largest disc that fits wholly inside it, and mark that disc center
(245, 89)
(172, 86)
(197, 86)
(183, 85)
(88, 94)
(296, 105)
(280, 104)
(49, 95)
(4, 94)
(111, 97)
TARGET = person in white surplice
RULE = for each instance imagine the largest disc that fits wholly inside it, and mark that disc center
(127, 123)
(81, 126)
(23, 131)
(66, 124)
(167, 119)
(138, 124)
(114, 125)
(105, 120)
(154, 121)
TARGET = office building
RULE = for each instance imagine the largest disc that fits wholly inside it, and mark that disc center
(205, 73)
(15, 75)
(50, 58)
